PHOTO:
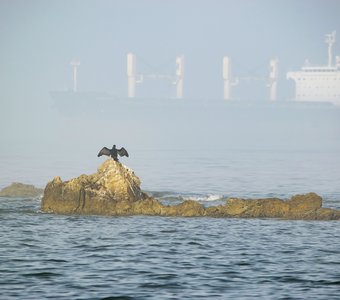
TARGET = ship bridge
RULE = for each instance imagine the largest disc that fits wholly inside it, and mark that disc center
(319, 83)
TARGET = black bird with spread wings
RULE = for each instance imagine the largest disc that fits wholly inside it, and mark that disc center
(113, 152)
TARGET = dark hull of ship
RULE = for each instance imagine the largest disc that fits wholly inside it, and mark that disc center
(104, 103)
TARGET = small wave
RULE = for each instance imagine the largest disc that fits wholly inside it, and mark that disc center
(174, 198)
(200, 198)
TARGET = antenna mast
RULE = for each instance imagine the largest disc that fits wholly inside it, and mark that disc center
(330, 40)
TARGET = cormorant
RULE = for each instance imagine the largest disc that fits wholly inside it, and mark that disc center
(113, 152)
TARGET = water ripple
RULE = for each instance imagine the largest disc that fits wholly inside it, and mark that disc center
(90, 257)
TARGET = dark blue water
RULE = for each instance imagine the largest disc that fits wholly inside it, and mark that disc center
(90, 257)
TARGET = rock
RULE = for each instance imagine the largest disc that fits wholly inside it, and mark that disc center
(115, 190)
(302, 207)
(150, 207)
(17, 189)
(247, 208)
(327, 214)
(100, 193)
(188, 208)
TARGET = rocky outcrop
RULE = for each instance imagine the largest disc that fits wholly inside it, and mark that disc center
(302, 207)
(17, 189)
(104, 192)
(115, 190)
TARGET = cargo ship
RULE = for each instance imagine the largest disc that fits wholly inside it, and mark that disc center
(314, 85)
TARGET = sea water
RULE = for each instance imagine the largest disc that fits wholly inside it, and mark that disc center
(97, 257)
(45, 256)
(92, 257)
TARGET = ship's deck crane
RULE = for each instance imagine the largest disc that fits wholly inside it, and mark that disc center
(229, 81)
(137, 78)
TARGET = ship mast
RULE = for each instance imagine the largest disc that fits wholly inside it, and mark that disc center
(75, 65)
(330, 40)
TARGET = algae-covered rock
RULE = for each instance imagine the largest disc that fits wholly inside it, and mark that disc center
(17, 189)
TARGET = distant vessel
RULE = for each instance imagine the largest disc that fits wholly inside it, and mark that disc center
(80, 99)
(63, 99)
(319, 83)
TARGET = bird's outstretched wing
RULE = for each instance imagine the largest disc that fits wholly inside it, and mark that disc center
(104, 151)
(122, 152)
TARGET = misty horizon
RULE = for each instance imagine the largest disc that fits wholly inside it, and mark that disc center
(39, 39)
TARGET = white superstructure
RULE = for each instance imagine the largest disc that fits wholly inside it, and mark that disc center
(319, 83)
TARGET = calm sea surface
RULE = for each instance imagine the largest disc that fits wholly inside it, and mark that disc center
(91, 257)
(211, 157)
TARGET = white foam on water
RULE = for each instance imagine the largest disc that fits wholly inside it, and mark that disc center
(203, 198)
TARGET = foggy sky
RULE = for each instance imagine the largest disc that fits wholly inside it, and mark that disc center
(38, 39)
